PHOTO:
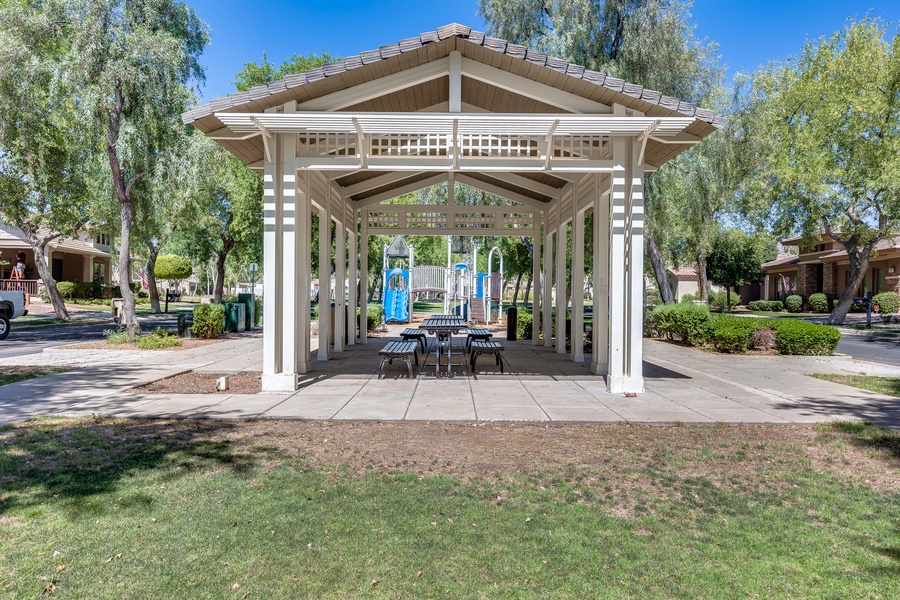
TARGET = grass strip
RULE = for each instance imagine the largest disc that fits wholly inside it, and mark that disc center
(890, 386)
(14, 374)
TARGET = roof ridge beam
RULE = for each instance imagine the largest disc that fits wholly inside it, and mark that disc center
(375, 182)
(397, 192)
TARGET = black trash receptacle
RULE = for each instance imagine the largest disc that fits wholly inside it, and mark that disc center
(512, 320)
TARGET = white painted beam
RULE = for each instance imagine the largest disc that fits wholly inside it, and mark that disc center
(500, 191)
(376, 182)
(518, 180)
(399, 191)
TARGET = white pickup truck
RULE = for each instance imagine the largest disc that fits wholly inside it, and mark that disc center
(12, 304)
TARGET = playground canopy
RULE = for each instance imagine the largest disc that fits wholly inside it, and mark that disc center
(454, 106)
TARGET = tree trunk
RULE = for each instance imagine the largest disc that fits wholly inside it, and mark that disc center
(38, 245)
(704, 281)
(527, 288)
(221, 255)
(659, 270)
(859, 264)
(126, 210)
(727, 298)
(518, 284)
(151, 279)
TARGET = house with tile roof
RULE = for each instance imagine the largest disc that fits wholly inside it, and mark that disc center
(825, 267)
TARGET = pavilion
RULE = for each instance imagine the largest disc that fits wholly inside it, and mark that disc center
(454, 106)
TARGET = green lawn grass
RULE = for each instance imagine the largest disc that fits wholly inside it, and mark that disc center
(14, 374)
(889, 386)
(102, 508)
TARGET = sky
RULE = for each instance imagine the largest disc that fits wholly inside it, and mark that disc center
(750, 33)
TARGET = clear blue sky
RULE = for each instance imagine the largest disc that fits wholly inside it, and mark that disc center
(749, 32)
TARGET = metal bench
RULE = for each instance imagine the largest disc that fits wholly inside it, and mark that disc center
(417, 335)
(473, 335)
(398, 350)
(480, 347)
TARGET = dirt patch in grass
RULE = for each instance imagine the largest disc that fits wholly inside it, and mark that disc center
(14, 374)
(193, 382)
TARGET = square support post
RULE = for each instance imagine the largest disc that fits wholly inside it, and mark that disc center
(561, 299)
(600, 353)
(340, 278)
(363, 276)
(577, 351)
(548, 284)
(304, 282)
(353, 284)
(273, 322)
(616, 368)
(634, 254)
(536, 279)
(324, 280)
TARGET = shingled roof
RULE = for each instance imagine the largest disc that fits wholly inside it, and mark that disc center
(501, 47)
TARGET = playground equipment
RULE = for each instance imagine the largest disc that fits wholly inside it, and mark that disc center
(397, 297)
(494, 284)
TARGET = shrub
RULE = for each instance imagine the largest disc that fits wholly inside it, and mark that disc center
(66, 288)
(766, 305)
(118, 335)
(718, 300)
(160, 338)
(209, 320)
(257, 310)
(730, 334)
(524, 324)
(374, 313)
(800, 337)
(686, 321)
(887, 302)
(819, 302)
(794, 303)
(776, 305)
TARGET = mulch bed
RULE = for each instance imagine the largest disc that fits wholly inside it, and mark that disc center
(187, 344)
(193, 382)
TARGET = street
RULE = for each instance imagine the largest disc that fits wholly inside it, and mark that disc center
(33, 340)
(871, 348)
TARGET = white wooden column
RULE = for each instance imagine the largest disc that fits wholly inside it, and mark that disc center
(548, 284)
(304, 281)
(364, 276)
(561, 299)
(615, 380)
(273, 319)
(353, 284)
(293, 264)
(577, 350)
(324, 280)
(634, 265)
(536, 279)
(340, 278)
(600, 352)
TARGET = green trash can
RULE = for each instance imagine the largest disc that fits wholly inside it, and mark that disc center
(249, 310)
(235, 319)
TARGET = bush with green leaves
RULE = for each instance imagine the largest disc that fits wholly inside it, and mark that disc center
(887, 302)
(687, 322)
(374, 316)
(809, 339)
(119, 335)
(172, 267)
(159, 339)
(794, 303)
(766, 305)
(66, 288)
(731, 334)
(718, 300)
(819, 302)
(524, 324)
(209, 320)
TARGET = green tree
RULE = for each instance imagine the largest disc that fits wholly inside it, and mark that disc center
(42, 159)
(827, 133)
(648, 42)
(736, 259)
(256, 74)
(131, 62)
(173, 268)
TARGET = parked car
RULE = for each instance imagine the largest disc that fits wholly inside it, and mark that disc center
(12, 304)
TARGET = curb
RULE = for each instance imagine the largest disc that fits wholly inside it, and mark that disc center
(888, 335)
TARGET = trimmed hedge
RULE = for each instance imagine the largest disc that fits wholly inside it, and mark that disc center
(766, 305)
(209, 320)
(799, 337)
(819, 303)
(887, 302)
(793, 303)
(736, 334)
(524, 324)
(688, 322)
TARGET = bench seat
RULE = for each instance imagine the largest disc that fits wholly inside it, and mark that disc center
(417, 335)
(398, 350)
(473, 335)
(487, 347)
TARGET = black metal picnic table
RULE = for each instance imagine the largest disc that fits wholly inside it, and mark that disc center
(443, 327)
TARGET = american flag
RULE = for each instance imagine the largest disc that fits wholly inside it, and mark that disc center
(145, 282)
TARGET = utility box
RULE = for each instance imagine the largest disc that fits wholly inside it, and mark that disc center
(235, 317)
(186, 326)
(512, 320)
(249, 310)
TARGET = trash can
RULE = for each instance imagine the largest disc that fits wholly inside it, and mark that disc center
(512, 320)
(185, 325)
(249, 310)
(235, 319)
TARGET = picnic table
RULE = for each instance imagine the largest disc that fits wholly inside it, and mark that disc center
(443, 327)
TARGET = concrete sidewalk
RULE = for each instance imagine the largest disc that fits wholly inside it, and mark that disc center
(684, 385)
